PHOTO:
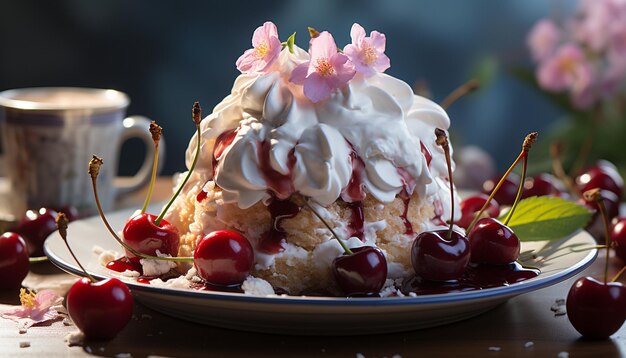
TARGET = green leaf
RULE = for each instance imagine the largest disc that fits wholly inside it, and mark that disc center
(290, 42)
(547, 218)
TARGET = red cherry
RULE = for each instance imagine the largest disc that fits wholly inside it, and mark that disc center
(508, 189)
(542, 185)
(618, 237)
(13, 260)
(223, 258)
(493, 243)
(596, 309)
(470, 206)
(362, 273)
(596, 225)
(102, 309)
(603, 175)
(438, 259)
(143, 235)
(35, 227)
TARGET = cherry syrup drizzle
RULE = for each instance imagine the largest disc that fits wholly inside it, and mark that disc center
(357, 221)
(221, 143)
(406, 198)
(426, 152)
(354, 191)
(272, 242)
(280, 185)
(122, 264)
(476, 277)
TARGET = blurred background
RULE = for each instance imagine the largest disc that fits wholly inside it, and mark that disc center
(167, 54)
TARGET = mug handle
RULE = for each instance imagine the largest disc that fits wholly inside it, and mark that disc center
(139, 127)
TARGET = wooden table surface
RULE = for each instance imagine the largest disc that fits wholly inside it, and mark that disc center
(524, 326)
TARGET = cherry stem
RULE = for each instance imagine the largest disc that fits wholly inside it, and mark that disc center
(596, 195)
(156, 131)
(618, 274)
(196, 115)
(94, 170)
(62, 221)
(34, 260)
(556, 148)
(528, 141)
(520, 189)
(465, 89)
(442, 140)
(343, 245)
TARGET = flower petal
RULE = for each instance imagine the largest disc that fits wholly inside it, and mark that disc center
(316, 88)
(322, 47)
(357, 34)
(378, 40)
(298, 75)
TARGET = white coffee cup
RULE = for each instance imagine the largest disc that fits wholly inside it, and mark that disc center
(49, 136)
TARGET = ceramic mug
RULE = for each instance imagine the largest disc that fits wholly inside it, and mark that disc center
(49, 136)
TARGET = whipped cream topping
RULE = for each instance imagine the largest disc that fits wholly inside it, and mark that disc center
(372, 136)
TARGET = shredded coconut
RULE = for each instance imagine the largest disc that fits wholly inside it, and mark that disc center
(257, 286)
(75, 338)
(157, 267)
(24, 344)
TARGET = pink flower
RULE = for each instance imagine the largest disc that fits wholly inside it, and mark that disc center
(36, 308)
(266, 47)
(542, 39)
(326, 71)
(567, 69)
(367, 53)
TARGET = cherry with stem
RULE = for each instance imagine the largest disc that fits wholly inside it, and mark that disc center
(99, 309)
(441, 255)
(155, 131)
(597, 309)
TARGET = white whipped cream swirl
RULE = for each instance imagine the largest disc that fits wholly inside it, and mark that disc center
(309, 145)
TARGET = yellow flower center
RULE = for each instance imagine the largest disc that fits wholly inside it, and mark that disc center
(370, 55)
(27, 298)
(567, 65)
(324, 67)
(261, 50)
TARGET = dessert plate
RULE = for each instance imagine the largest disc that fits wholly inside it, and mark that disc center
(318, 315)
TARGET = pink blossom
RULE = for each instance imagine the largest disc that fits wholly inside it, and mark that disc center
(367, 53)
(326, 71)
(568, 69)
(266, 47)
(542, 39)
(36, 308)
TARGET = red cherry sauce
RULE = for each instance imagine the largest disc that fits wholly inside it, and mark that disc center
(357, 221)
(476, 277)
(426, 152)
(438, 219)
(354, 191)
(406, 198)
(279, 185)
(272, 242)
(202, 195)
(221, 143)
(122, 264)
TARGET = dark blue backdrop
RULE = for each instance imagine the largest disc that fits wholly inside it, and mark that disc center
(166, 54)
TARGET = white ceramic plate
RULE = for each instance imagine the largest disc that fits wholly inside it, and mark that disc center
(316, 315)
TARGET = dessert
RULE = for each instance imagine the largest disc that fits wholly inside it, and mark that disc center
(323, 127)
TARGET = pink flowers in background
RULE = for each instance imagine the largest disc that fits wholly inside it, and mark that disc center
(585, 56)
(367, 53)
(327, 69)
(266, 47)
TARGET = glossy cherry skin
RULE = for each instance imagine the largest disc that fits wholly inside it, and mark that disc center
(595, 309)
(470, 206)
(618, 237)
(100, 310)
(436, 258)
(35, 228)
(13, 260)
(143, 235)
(507, 192)
(603, 175)
(494, 243)
(223, 258)
(362, 273)
(542, 185)
(596, 225)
